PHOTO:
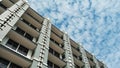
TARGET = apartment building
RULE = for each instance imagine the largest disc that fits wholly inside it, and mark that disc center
(28, 40)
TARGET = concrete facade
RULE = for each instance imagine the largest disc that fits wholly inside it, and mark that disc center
(28, 40)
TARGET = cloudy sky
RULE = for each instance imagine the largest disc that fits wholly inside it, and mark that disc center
(93, 23)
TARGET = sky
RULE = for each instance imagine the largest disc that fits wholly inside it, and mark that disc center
(93, 23)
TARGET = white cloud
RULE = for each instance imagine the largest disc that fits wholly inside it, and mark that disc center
(94, 23)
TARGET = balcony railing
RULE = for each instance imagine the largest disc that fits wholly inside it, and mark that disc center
(78, 57)
(57, 54)
(5, 63)
(52, 40)
(76, 48)
(52, 65)
(54, 53)
(61, 37)
(23, 33)
(16, 46)
(34, 18)
(8, 53)
(26, 22)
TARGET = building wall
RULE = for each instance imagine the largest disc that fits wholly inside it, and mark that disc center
(29, 40)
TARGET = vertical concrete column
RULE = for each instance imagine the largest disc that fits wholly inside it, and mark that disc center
(10, 17)
(41, 52)
(84, 57)
(68, 52)
(96, 62)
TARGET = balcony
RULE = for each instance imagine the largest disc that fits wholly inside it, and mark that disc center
(7, 64)
(57, 34)
(31, 21)
(57, 31)
(52, 65)
(56, 60)
(27, 29)
(89, 55)
(35, 15)
(73, 43)
(78, 62)
(76, 52)
(91, 62)
(76, 66)
(101, 64)
(56, 47)
(15, 57)
(22, 40)
(56, 38)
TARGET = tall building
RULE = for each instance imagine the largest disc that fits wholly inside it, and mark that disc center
(28, 40)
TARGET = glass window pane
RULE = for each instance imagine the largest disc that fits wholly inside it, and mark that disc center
(12, 44)
(20, 31)
(25, 21)
(33, 26)
(50, 64)
(23, 50)
(3, 63)
(29, 37)
(12, 65)
(51, 50)
(56, 54)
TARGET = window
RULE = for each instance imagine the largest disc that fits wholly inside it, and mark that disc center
(57, 54)
(12, 44)
(23, 50)
(29, 37)
(32, 17)
(54, 52)
(91, 59)
(62, 46)
(76, 66)
(12, 65)
(54, 41)
(94, 66)
(3, 6)
(33, 26)
(63, 56)
(50, 64)
(80, 58)
(55, 66)
(83, 66)
(20, 31)
(51, 50)
(25, 21)
(78, 49)
(101, 66)
(3, 63)
(74, 55)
